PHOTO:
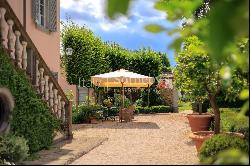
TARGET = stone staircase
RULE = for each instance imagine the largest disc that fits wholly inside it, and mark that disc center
(25, 56)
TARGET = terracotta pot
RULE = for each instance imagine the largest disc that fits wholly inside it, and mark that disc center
(200, 136)
(200, 122)
(93, 121)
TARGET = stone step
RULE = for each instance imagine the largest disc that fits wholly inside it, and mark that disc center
(65, 152)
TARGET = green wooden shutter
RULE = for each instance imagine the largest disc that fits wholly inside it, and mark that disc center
(35, 11)
(53, 15)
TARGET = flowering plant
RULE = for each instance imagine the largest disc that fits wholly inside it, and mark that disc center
(107, 102)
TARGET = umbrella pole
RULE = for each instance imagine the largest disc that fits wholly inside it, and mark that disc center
(148, 95)
(122, 95)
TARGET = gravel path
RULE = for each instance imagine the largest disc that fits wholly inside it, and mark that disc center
(148, 140)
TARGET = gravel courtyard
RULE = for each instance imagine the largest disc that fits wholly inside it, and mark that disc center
(149, 140)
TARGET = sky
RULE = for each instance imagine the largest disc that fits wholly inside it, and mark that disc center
(128, 31)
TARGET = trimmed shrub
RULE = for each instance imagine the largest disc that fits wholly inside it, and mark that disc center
(153, 109)
(31, 117)
(13, 149)
(83, 113)
(228, 157)
(220, 142)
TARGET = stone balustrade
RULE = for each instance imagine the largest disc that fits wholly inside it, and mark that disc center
(46, 86)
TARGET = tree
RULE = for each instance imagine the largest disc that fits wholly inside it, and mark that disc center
(218, 23)
(197, 76)
(88, 56)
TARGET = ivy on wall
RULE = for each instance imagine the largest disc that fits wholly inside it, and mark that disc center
(31, 117)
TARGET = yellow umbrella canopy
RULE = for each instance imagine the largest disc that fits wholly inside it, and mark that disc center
(122, 78)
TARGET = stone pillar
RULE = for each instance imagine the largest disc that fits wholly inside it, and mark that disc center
(19, 49)
(4, 28)
(51, 95)
(12, 39)
(59, 107)
(37, 76)
(24, 55)
(42, 82)
(55, 107)
(46, 88)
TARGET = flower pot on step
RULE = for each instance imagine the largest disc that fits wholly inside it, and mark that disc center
(199, 122)
(200, 136)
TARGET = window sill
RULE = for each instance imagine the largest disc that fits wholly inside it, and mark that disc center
(42, 28)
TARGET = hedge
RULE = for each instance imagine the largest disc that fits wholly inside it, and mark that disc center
(153, 109)
(221, 142)
(231, 121)
(31, 117)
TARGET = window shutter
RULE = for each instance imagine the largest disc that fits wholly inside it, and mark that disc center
(35, 11)
(53, 15)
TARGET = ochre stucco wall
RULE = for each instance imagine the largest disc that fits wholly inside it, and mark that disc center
(47, 43)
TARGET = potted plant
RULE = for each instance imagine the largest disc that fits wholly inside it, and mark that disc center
(94, 117)
(108, 102)
(199, 77)
(201, 120)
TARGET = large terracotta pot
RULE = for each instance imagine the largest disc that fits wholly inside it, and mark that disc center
(200, 122)
(200, 136)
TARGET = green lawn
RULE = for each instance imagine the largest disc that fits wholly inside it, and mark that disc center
(182, 106)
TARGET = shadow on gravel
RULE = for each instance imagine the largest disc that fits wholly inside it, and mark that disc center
(190, 143)
(118, 125)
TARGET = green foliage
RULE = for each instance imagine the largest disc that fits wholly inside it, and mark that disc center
(154, 28)
(183, 106)
(228, 157)
(13, 148)
(154, 97)
(117, 7)
(31, 117)
(197, 75)
(88, 56)
(91, 56)
(205, 106)
(153, 109)
(118, 101)
(83, 113)
(220, 142)
(192, 70)
(232, 121)
(177, 9)
(143, 61)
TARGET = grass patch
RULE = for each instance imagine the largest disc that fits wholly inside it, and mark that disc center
(183, 106)
(232, 121)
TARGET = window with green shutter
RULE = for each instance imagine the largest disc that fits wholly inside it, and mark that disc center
(45, 14)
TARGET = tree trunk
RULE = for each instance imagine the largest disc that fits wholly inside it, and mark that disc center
(200, 108)
(216, 111)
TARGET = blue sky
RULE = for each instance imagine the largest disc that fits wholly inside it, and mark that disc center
(127, 31)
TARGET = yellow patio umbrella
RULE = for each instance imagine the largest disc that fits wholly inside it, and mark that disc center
(122, 78)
